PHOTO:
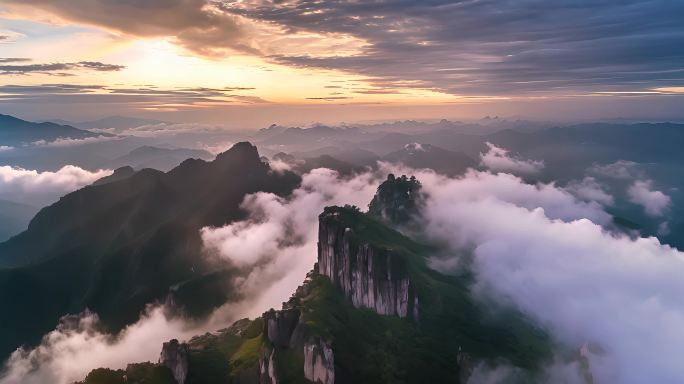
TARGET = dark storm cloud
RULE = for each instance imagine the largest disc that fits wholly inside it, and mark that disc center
(59, 69)
(490, 47)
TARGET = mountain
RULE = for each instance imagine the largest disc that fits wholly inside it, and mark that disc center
(355, 156)
(118, 174)
(370, 311)
(327, 161)
(397, 200)
(117, 123)
(420, 156)
(115, 247)
(306, 139)
(323, 161)
(14, 218)
(163, 159)
(271, 131)
(15, 132)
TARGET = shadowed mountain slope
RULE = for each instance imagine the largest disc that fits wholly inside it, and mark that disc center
(115, 247)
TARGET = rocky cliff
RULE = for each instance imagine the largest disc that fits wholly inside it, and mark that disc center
(370, 276)
(174, 356)
(397, 200)
(319, 362)
(286, 332)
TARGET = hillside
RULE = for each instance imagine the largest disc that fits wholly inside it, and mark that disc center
(162, 159)
(428, 156)
(14, 131)
(371, 311)
(115, 247)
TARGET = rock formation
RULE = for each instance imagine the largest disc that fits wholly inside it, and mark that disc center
(174, 355)
(370, 276)
(280, 326)
(397, 200)
(319, 364)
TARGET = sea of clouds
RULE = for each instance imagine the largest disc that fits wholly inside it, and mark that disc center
(551, 252)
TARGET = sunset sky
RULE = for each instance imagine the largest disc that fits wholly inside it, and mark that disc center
(254, 62)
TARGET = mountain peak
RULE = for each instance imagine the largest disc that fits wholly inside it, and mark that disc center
(396, 199)
(242, 151)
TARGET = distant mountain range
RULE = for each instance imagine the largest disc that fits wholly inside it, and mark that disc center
(420, 156)
(163, 159)
(117, 123)
(15, 132)
(412, 155)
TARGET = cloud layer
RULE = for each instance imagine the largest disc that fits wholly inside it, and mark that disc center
(78, 346)
(462, 47)
(278, 241)
(42, 188)
(500, 159)
(489, 47)
(145, 97)
(535, 247)
(275, 246)
(11, 66)
(569, 274)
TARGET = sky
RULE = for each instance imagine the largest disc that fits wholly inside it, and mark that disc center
(254, 62)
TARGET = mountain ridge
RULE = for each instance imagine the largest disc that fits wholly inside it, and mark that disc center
(121, 245)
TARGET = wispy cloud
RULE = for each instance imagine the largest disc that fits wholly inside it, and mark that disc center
(13, 59)
(143, 97)
(59, 69)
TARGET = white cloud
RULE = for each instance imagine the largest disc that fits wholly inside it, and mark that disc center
(589, 189)
(278, 240)
(621, 169)
(570, 275)
(655, 203)
(275, 245)
(219, 147)
(77, 346)
(535, 247)
(5, 148)
(164, 129)
(40, 188)
(557, 203)
(68, 142)
(414, 147)
(500, 159)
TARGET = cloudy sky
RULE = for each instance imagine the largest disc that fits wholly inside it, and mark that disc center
(255, 61)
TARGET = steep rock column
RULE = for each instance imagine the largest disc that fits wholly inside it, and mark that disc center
(174, 355)
(319, 363)
(371, 277)
(280, 325)
(267, 368)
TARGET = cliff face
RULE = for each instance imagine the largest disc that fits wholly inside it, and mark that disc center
(285, 331)
(319, 364)
(267, 367)
(370, 276)
(397, 200)
(174, 355)
(283, 328)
